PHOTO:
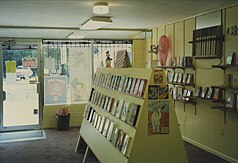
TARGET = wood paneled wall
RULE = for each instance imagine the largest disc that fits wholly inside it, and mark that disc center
(206, 128)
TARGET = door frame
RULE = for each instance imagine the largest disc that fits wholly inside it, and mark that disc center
(40, 89)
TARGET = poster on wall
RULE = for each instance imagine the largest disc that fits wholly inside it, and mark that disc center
(79, 88)
(55, 90)
(79, 60)
(158, 117)
(49, 67)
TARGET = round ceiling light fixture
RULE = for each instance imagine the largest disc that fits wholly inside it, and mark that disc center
(100, 8)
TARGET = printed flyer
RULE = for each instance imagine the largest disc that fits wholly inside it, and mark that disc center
(55, 90)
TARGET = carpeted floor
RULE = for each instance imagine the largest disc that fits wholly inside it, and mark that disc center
(60, 145)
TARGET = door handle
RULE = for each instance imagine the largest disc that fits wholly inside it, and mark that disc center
(4, 95)
(38, 87)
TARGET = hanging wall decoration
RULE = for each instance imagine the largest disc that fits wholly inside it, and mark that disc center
(163, 49)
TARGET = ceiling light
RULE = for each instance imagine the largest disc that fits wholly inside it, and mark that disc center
(75, 35)
(100, 8)
(96, 22)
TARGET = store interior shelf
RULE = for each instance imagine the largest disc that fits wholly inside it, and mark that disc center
(177, 67)
(201, 98)
(206, 56)
(225, 66)
(222, 101)
(108, 149)
(223, 108)
(115, 93)
(226, 87)
(155, 52)
(121, 124)
(187, 101)
(96, 141)
(182, 84)
(208, 39)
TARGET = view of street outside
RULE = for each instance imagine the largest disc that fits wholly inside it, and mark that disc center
(19, 83)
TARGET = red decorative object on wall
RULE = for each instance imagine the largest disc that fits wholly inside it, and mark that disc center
(163, 49)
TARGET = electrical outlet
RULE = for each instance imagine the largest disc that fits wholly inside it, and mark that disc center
(35, 111)
(221, 131)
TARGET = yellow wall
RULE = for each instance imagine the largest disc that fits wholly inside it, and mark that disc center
(206, 128)
(138, 58)
(49, 115)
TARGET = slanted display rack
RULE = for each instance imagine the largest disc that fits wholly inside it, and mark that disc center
(140, 136)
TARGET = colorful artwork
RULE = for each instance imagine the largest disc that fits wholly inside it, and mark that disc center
(163, 92)
(55, 90)
(158, 117)
(159, 76)
(153, 92)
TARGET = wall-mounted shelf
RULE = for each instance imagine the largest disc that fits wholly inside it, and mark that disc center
(176, 67)
(155, 52)
(182, 84)
(225, 110)
(210, 100)
(206, 57)
(226, 88)
(200, 98)
(207, 39)
(187, 101)
(190, 101)
(207, 43)
(221, 101)
(224, 66)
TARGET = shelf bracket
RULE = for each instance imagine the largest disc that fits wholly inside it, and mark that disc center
(195, 109)
(224, 116)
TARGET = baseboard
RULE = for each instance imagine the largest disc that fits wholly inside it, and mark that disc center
(219, 154)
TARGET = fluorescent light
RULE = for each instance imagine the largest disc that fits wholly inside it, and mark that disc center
(100, 8)
(96, 23)
(75, 36)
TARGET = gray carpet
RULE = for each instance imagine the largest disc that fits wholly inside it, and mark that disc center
(58, 147)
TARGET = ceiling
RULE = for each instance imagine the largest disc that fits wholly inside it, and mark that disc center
(56, 19)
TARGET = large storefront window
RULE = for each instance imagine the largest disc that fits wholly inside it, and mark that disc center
(67, 72)
(68, 67)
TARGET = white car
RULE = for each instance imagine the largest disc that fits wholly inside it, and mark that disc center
(23, 72)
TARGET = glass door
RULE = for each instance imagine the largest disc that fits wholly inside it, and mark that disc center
(19, 86)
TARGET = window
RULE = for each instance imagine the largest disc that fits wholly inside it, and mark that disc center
(67, 72)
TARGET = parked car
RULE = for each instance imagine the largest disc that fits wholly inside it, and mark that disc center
(23, 72)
